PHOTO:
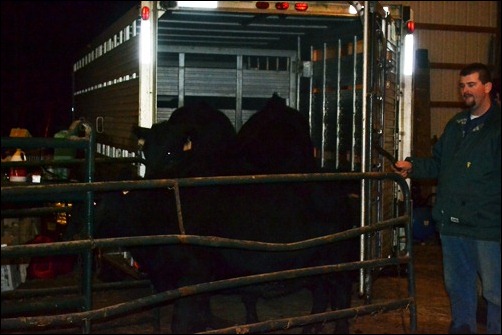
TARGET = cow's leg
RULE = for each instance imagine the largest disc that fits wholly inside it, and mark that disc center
(191, 314)
(250, 302)
(341, 298)
(320, 301)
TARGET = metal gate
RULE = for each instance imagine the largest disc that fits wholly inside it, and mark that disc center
(85, 191)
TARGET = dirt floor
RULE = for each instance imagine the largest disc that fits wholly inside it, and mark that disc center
(433, 314)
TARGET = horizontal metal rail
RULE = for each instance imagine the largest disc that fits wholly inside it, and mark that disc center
(58, 248)
(36, 211)
(42, 142)
(10, 193)
(38, 292)
(288, 323)
(71, 161)
(11, 305)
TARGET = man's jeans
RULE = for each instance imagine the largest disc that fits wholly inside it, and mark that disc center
(463, 260)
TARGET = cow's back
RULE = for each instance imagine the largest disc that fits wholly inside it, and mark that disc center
(276, 140)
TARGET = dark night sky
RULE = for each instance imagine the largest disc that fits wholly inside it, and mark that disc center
(40, 42)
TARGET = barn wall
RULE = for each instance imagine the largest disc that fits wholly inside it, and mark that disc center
(454, 33)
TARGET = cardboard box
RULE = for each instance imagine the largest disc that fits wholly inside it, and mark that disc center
(17, 231)
(11, 275)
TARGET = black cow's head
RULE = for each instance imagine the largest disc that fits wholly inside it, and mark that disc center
(193, 142)
(276, 139)
(165, 145)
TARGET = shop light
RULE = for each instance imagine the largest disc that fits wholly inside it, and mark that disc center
(198, 4)
(408, 55)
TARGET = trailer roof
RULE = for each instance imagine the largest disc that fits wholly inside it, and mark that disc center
(230, 26)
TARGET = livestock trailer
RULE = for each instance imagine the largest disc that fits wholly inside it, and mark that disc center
(343, 64)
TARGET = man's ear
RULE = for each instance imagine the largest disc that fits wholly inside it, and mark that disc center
(488, 87)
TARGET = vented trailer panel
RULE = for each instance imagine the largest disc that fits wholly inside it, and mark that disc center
(237, 83)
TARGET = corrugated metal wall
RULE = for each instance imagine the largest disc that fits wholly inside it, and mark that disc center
(455, 33)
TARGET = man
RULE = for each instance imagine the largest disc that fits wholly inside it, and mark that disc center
(466, 164)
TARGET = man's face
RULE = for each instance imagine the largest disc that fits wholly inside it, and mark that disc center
(473, 91)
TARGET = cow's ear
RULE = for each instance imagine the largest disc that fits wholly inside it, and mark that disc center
(188, 144)
(141, 132)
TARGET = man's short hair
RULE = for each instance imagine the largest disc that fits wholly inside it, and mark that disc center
(483, 71)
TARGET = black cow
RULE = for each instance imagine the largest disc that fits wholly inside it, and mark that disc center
(274, 140)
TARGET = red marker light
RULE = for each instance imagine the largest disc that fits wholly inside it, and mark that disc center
(145, 13)
(281, 5)
(301, 6)
(262, 5)
(410, 26)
